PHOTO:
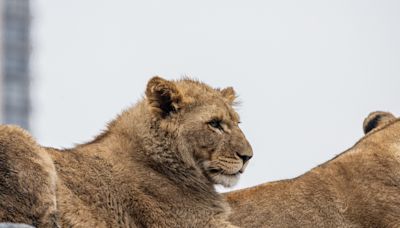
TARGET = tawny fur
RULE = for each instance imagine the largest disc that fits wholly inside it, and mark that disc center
(155, 165)
(358, 188)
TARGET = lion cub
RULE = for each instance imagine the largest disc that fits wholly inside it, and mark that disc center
(154, 166)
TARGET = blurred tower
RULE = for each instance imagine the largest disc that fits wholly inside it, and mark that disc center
(14, 62)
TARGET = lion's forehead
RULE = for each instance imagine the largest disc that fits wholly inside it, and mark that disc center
(206, 112)
(396, 148)
(234, 115)
(208, 99)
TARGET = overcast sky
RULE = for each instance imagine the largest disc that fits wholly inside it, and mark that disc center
(307, 72)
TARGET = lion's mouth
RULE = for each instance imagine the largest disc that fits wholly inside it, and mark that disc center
(220, 176)
(222, 172)
(214, 171)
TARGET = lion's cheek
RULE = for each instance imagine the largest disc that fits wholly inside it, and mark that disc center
(202, 138)
(202, 143)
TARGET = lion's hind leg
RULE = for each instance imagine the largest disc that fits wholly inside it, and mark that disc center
(27, 180)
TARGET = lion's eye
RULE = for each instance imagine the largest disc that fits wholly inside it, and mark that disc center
(215, 123)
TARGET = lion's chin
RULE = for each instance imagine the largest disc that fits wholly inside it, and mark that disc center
(226, 180)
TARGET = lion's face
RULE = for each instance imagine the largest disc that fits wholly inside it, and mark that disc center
(217, 143)
(206, 127)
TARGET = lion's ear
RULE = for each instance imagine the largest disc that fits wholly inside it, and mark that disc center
(229, 94)
(163, 96)
(377, 119)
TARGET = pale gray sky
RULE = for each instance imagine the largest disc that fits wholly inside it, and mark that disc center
(307, 72)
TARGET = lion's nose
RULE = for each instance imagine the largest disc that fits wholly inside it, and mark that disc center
(244, 158)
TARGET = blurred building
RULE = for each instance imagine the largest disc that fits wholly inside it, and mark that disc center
(14, 62)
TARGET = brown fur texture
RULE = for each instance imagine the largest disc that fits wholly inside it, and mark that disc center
(358, 188)
(155, 165)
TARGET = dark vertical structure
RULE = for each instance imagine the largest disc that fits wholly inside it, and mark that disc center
(15, 52)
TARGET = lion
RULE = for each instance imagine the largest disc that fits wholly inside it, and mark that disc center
(155, 166)
(358, 188)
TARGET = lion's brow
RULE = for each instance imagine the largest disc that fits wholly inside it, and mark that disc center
(234, 116)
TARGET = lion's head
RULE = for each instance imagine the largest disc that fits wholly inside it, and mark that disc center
(204, 125)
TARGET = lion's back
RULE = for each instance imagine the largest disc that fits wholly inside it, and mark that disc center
(27, 179)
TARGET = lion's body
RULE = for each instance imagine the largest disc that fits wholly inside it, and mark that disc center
(143, 171)
(358, 188)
